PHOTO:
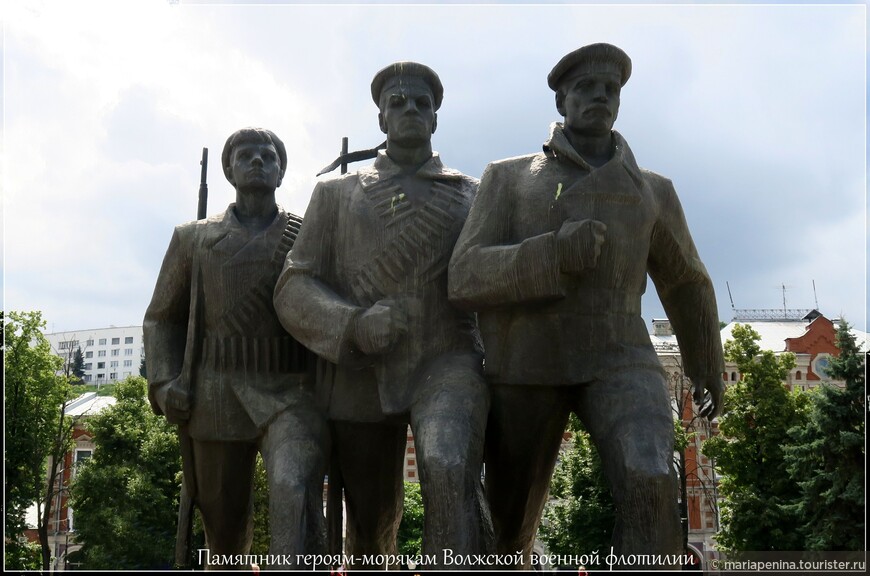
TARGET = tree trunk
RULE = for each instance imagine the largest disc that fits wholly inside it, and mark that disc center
(54, 488)
(42, 530)
(684, 501)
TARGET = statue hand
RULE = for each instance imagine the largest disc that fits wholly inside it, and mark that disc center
(174, 402)
(378, 329)
(579, 245)
(709, 394)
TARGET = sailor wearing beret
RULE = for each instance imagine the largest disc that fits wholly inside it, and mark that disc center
(365, 287)
(554, 258)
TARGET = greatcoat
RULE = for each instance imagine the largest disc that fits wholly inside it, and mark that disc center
(540, 326)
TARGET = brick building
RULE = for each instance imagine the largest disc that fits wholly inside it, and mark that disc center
(808, 334)
(61, 526)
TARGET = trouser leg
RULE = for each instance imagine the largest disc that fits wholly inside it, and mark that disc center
(629, 417)
(294, 448)
(449, 420)
(371, 458)
(225, 495)
(526, 425)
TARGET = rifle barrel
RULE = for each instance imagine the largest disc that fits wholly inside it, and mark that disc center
(203, 187)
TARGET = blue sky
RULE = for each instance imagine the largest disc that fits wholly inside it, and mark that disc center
(756, 112)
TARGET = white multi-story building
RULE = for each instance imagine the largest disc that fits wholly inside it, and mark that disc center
(110, 354)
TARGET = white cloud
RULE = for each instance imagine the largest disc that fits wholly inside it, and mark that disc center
(755, 112)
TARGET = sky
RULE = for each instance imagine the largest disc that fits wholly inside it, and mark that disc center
(757, 113)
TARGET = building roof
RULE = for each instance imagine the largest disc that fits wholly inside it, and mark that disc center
(88, 404)
(664, 344)
(774, 333)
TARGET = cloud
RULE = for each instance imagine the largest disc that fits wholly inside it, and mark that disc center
(755, 112)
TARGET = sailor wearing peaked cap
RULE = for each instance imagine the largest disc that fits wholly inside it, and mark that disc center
(397, 73)
(592, 54)
(365, 288)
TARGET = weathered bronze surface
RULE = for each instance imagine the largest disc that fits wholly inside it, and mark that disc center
(554, 257)
(365, 287)
(222, 367)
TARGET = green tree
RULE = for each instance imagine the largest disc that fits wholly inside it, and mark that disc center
(756, 488)
(78, 366)
(262, 535)
(37, 431)
(125, 497)
(691, 472)
(580, 515)
(410, 535)
(827, 457)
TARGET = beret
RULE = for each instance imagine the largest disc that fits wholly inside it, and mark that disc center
(412, 69)
(590, 54)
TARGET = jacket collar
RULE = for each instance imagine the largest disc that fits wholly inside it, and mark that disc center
(222, 226)
(557, 146)
(385, 168)
(232, 220)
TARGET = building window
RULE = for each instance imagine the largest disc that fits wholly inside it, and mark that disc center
(126, 374)
(81, 456)
(89, 354)
(87, 377)
(100, 376)
(797, 375)
(128, 340)
(88, 365)
(116, 341)
(821, 365)
(101, 365)
(90, 342)
(102, 341)
(116, 352)
(101, 353)
(128, 363)
(113, 364)
(113, 376)
(68, 344)
(128, 351)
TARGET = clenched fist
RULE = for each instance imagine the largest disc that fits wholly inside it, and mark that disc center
(378, 329)
(174, 402)
(579, 245)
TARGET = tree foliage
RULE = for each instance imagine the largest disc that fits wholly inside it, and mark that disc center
(125, 497)
(34, 395)
(692, 475)
(827, 455)
(78, 366)
(757, 490)
(580, 516)
(410, 535)
(262, 534)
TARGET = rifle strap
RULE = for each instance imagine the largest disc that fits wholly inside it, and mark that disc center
(257, 302)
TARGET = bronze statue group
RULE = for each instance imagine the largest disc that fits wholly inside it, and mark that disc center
(479, 313)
